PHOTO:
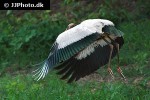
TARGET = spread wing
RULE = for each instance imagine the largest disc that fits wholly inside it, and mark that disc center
(67, 45)
(77, 67)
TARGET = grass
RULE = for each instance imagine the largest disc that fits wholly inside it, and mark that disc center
(135, 62)
(23, 87)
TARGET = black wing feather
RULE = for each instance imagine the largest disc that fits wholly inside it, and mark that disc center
(86, 66)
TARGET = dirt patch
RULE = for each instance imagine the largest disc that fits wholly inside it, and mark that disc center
(92, 77)
(96, 77)
(137, 80)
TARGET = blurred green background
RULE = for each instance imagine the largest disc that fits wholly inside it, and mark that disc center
(26, 38)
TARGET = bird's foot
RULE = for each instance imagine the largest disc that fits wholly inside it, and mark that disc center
(111, 73)
(121, 73)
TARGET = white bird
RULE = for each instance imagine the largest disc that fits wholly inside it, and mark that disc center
(82, 49)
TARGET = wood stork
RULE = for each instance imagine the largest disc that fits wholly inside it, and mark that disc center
(82, 49)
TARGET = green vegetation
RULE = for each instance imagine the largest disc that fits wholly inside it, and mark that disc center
(23, 87)
(26, 38)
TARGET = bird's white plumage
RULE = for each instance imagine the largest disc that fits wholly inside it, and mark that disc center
(72, 35)
(80, 31)
(96, 24)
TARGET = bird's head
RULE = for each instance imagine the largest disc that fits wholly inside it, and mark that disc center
(71, 25)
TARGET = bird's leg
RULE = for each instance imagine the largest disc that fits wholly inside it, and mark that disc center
(109, 62)
(118, 68)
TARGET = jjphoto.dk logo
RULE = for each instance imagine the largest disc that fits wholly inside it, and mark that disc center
(25, 5)
(39, 4)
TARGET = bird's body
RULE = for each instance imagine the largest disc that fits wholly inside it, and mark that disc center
(81, 50)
